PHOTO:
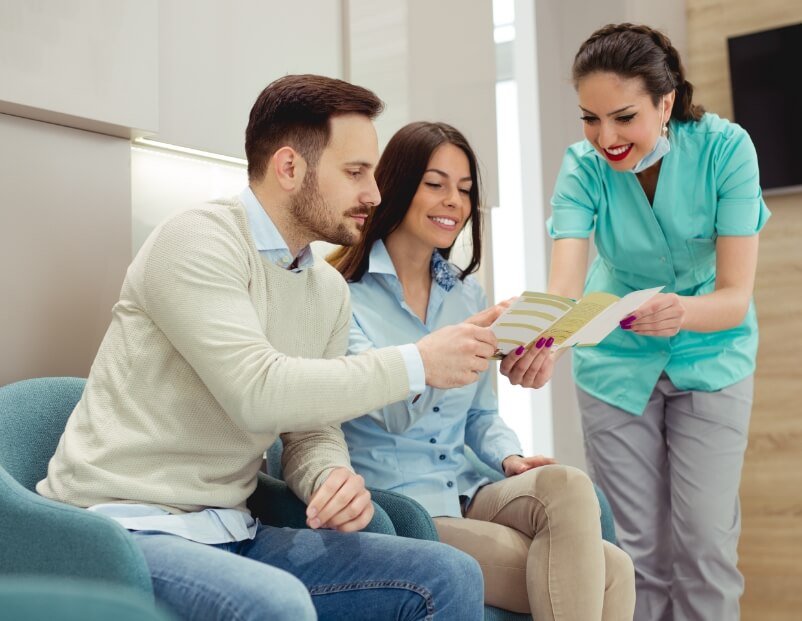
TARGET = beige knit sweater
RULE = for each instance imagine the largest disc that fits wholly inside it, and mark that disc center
(210, 354)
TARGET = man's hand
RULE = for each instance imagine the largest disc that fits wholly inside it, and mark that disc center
(341, 503)
(484, 318)
(530, 368)
(455, 355)
(661, 316)
(515, 464)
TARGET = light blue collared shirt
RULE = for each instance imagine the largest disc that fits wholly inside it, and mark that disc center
(418, 448)
(216, 525)
(206, 526)
(268, 240)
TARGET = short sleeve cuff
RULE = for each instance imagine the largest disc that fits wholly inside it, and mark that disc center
(741, 216)
(415, 370)
(567, 225)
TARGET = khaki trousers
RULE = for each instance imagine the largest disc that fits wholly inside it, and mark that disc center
(537, 538)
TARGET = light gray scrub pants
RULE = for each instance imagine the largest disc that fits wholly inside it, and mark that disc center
(672, 478)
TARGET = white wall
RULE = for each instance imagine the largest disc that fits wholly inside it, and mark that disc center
(88, 64)
(432, 61)
(65, 235)
(78, 79)
(215, 57)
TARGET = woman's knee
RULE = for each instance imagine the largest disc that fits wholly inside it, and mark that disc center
(701, 536)
(565, 483)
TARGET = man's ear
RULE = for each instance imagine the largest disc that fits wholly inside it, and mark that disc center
(289, 168)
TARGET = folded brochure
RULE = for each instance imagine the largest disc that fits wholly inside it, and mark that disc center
(570, 322)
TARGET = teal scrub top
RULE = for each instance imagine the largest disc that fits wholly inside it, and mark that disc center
(708, 186)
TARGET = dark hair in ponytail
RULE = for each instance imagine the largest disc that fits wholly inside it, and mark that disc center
(634, 51)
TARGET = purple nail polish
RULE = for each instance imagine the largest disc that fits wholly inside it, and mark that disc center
(550, 342)
(540, 342)
(630, 319)
(520, 350)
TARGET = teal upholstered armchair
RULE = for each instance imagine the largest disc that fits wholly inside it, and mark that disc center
(57, 559)
(66, 552)
(410, 519)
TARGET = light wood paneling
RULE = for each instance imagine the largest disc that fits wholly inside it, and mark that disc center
(771, 488)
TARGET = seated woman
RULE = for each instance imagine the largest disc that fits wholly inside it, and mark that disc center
(536, 534)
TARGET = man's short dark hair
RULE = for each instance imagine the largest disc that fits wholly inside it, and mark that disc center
(295, 111)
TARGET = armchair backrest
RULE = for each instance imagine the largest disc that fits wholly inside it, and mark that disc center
(33, 414)
(41, 537)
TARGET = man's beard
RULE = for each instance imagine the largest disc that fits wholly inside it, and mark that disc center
(310, 211)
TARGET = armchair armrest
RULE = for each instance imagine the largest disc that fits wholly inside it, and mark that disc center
(408, 516)
(274, 504)
(43, 537)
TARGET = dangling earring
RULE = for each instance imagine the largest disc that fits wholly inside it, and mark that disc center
(665, 130)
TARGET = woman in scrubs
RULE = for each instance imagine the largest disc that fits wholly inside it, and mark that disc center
(672, 196)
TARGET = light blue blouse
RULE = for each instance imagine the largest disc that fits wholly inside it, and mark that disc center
(418, 448)
(708, 186)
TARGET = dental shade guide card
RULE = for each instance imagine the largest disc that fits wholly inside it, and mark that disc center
(584, 322)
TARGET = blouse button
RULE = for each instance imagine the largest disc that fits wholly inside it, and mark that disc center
(436, 408)
(450, 484)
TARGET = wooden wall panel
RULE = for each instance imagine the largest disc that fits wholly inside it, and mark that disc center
(771, 488)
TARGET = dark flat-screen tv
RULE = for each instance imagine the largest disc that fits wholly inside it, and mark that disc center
(767, 101)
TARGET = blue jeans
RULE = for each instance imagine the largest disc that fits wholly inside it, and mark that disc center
(295, 575)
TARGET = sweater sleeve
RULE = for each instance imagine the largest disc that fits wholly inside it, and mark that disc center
(193, 284)
(310, 456)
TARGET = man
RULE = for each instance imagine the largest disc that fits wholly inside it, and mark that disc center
(227, 333)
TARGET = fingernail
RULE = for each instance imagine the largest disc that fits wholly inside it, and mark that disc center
(311, 512)
(314, 523)
(520, 350)
(629, 319)
(540, 342)
(626, 326)
(550, 342)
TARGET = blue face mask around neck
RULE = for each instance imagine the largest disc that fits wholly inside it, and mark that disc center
(661, 147)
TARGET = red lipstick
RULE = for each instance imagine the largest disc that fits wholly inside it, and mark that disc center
(618, 157)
